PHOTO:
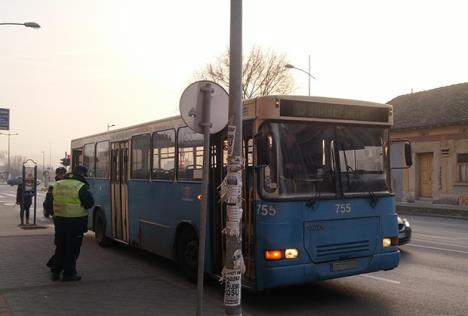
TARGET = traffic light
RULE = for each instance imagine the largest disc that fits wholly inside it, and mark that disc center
(65, 161)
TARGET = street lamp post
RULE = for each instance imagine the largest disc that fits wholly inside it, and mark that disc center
(9, 135)
(109, 126)
(43, 166)
(306, 72)
(33, 25)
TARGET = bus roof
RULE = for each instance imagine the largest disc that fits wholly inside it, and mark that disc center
(252, 108)
(128, 131)
(320, 99)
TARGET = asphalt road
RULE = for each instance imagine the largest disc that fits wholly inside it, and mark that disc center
(432, 278)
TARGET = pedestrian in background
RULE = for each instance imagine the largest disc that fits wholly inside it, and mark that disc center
(70, 199)
(24, 200)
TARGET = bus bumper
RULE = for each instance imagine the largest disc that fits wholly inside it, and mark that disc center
(310, 272)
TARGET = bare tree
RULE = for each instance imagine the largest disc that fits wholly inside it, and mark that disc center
(263, 73)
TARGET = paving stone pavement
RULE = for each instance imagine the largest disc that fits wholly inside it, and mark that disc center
(116, 280)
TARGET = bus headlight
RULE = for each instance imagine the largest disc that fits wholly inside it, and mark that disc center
(291, 253)
(389, 241)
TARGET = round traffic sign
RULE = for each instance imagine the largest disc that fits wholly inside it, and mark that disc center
(191, 106)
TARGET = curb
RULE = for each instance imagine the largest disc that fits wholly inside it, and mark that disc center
(428, 211)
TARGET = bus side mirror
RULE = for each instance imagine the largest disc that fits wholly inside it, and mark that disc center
(408, 154)
(263, 150)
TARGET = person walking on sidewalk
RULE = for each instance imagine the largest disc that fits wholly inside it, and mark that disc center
(71, 199)
(24, 200)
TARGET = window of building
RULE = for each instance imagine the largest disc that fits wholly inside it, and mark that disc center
(163, 155)
(102, 160)
(141, 149)
(88, 159)
(190, 146)
(462, 165)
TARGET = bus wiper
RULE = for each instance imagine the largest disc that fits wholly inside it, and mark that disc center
(311, 203)
(347, 168)
(373, 199)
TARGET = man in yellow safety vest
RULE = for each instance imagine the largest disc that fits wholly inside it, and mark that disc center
(71, 200)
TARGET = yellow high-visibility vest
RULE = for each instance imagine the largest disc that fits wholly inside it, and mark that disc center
(67, 200)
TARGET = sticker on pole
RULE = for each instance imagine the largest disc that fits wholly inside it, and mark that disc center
(191, 106)
(232, 294)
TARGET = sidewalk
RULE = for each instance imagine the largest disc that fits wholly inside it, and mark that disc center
(428, 208)
(116, 281)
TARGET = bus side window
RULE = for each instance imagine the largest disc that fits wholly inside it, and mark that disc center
(163, 155)
(190, 147)
(88, 159)
(141, 156)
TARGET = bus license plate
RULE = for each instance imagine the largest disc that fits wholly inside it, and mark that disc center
(344, 265)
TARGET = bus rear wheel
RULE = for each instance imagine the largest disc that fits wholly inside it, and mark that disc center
(100, 230)
(187, 254)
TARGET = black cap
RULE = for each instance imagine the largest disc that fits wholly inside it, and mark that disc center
(60, 171)
(80, 170)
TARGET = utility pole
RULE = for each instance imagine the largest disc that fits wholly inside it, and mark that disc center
(234, 263)
(309, 75)
(43, 167)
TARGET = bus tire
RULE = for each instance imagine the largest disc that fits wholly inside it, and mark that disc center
(187, 254)
(100, 230)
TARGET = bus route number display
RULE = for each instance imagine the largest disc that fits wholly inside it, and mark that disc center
(332, 111)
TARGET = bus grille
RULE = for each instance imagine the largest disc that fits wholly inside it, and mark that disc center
(342, 249)
(330, 240)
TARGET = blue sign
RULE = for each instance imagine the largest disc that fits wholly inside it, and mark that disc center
(5, 119)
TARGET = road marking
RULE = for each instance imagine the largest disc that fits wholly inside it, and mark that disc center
(454, 242)
(9, 194)
(437, 248)
(380, 279)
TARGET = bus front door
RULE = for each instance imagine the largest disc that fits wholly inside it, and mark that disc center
(119, 188)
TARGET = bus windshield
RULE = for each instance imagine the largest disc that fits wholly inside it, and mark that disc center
(317, 159)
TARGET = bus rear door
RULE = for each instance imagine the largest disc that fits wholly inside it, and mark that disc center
(119, 189)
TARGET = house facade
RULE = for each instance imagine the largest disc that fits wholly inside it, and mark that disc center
(436, 124)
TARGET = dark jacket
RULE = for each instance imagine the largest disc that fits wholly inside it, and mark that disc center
(19, 196)
(86, 198)
(48, 203)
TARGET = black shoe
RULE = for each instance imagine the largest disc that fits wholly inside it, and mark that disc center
(55, 276)
(71, 278)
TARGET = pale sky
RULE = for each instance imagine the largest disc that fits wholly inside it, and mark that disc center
(125, 62)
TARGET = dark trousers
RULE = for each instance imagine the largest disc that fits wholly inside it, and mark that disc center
(68, 239)
(24, 209)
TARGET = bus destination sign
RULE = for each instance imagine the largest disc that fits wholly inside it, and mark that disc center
(333, 111)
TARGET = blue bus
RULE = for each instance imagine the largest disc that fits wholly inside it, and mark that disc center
(317, 189)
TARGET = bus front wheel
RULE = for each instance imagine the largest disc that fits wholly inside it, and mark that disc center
(187, 254)
(100, 230)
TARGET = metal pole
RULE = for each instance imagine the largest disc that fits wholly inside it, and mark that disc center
(35, 192)
(43, 167)
(8, 176)
(309, 75)
(205, 124)
(232, 271)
